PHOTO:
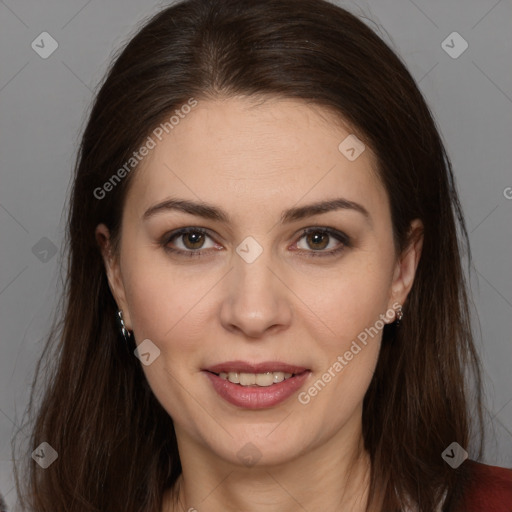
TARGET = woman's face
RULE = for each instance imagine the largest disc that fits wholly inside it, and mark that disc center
(250, 288)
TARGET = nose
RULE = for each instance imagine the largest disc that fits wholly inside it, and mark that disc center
(257, 299)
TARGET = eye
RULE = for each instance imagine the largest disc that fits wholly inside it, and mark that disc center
(190, 241)
(319, 239)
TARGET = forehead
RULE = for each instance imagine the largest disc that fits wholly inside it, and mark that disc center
(248, 155)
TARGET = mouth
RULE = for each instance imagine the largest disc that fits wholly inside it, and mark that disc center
(256, 386)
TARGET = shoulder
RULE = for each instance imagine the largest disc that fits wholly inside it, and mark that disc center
(488, 488)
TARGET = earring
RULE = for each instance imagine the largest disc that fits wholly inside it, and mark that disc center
(124, 331)
(399, 315)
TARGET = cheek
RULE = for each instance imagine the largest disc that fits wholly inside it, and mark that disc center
(351, 299)
(351, 307)
(348, 328)
(165, 310)
(162, 299)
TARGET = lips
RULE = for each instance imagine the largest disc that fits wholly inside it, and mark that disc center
(264, 395)
(245, 367)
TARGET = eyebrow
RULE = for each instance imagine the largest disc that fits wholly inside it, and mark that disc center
(208, 211)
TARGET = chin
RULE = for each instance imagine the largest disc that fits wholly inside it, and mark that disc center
(261, 445)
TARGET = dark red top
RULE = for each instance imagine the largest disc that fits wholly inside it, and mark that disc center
(489, 489)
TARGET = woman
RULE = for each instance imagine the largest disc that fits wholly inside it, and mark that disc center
(265, 306)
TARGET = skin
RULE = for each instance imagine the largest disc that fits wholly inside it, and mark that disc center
(253, 160)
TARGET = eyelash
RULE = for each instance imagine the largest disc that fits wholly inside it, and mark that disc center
(338, 235)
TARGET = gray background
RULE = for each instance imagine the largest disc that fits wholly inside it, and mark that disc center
(43, 106)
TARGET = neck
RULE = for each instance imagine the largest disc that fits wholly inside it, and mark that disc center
(338, 477)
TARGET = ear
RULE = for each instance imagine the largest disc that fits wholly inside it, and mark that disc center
(407, 263)
(113, 271)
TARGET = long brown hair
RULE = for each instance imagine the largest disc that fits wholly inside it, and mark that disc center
(116, 444)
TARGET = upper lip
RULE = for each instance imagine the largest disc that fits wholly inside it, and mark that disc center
(246, 367)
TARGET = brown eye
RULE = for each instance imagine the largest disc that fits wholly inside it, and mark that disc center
(193, 239)
(319, 239)
(187, 241)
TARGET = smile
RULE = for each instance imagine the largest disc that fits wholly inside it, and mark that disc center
(256, 389)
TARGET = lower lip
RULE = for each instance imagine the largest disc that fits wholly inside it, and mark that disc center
(256, 397)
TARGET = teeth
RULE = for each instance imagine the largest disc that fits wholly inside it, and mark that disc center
(258, 379)
(246, 379)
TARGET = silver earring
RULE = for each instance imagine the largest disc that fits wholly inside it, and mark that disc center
(399, 315)
(124, 331)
